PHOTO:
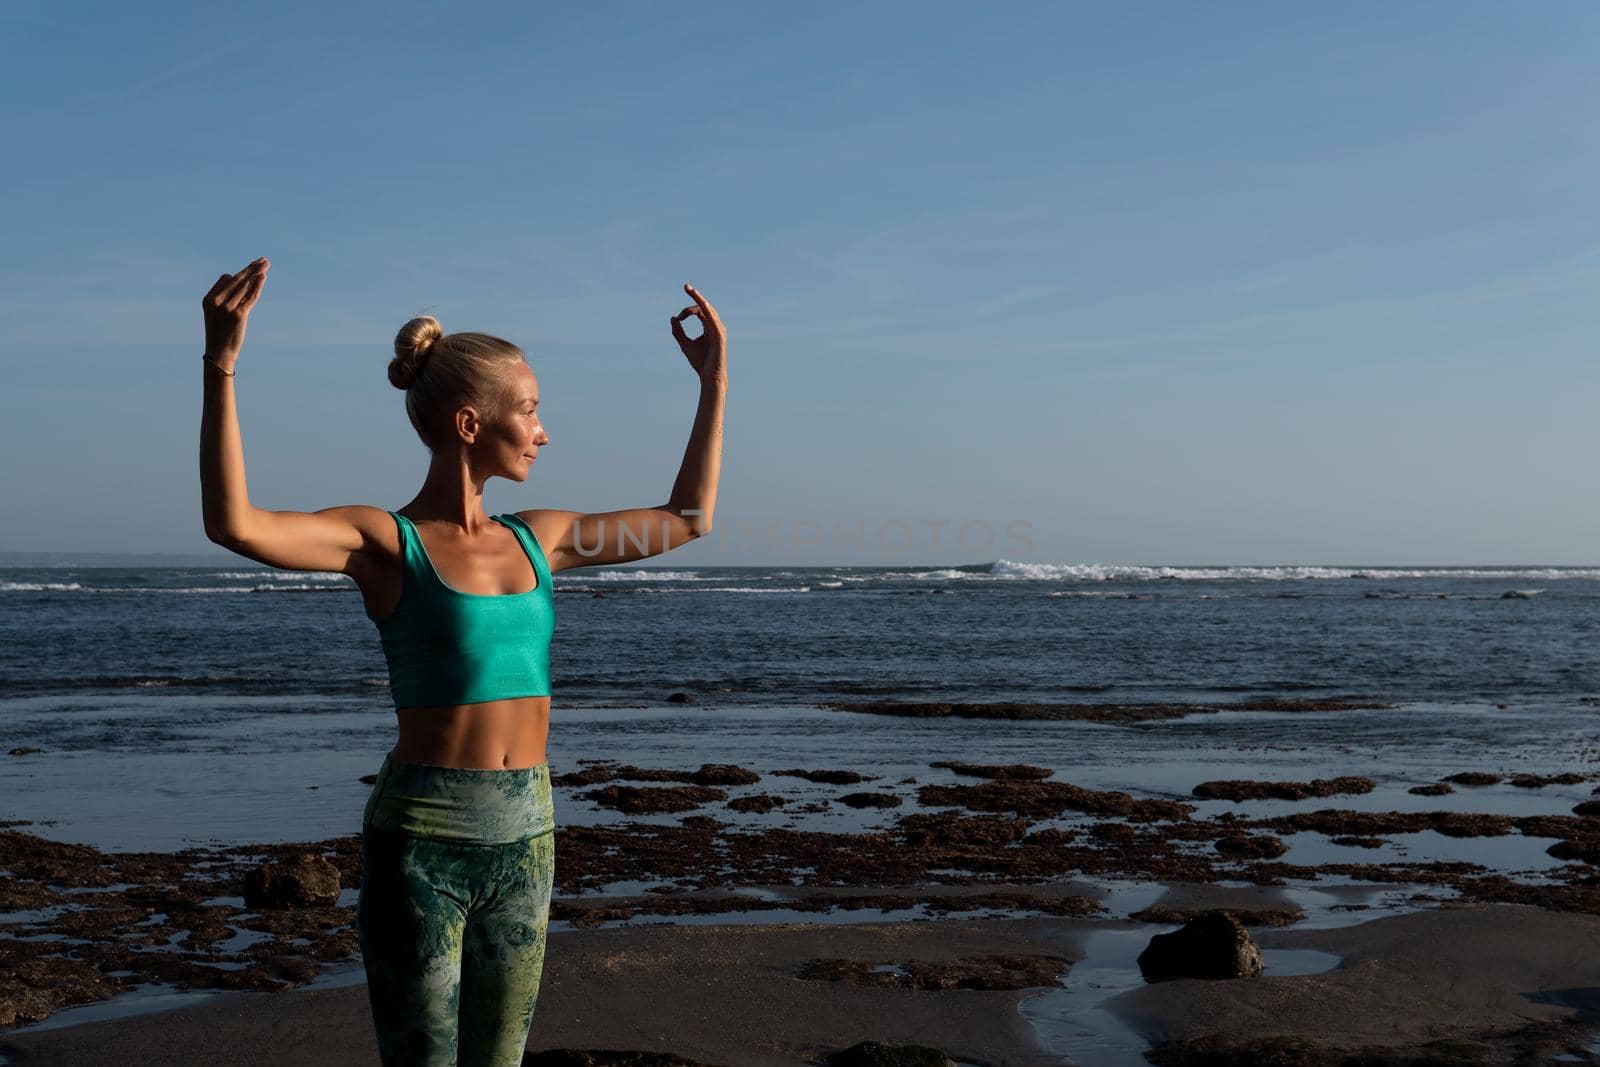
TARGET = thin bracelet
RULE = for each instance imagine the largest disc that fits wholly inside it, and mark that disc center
(207, 359)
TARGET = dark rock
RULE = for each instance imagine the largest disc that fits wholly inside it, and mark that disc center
(587, 776)
(1474, 778)
(1215, 945)
(1115, 832)
(680, 698)
(1588, 807)
(1436, 789)
(628, 772)
(875, 1054)
(1252, 846)
(643, 800)
(871, 800)
(1015, 771)
(1155, 810)
(826, 777)
(1582, 851)
(368, 779)
(1334, 821)
(930, 830)
(1038, 799)
(23, 750)
(1252, 790)
(1539, 781)
(981, 972)
(724, 774)
(19, 895)
(303, 882)
(34, 988)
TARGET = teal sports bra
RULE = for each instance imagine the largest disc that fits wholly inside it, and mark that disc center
(449, 647)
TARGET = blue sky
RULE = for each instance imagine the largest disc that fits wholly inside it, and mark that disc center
(1169, 283)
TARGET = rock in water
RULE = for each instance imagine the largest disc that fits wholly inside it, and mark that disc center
(303, 882)
(1215, 945)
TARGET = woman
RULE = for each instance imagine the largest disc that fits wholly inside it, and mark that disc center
(457, 836)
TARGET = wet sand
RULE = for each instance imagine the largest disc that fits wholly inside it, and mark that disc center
(730, 996)
(1459, 984)
(1456, 984)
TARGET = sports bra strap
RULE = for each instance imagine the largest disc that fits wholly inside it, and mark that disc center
(530, 545)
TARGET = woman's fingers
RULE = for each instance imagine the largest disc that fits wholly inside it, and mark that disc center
(246, 283)
(227, 288)
(253, 293)
(216, 288)
(234, 295)
(706, 312)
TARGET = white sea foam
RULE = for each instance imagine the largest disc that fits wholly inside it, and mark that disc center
(206, 589)
(286, 576)
(1099, 572)
(37, 587)
(581, 588)
(644, 576)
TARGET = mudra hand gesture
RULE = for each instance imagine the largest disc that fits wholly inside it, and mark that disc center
(708, 353)
(227, 311)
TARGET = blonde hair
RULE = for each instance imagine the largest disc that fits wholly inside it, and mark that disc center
(440, 372)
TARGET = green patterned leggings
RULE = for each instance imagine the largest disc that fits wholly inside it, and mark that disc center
(458, 865)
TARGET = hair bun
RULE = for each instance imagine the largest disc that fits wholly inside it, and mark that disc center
(412, 347)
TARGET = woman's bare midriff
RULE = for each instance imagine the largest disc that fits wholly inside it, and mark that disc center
(495, 735)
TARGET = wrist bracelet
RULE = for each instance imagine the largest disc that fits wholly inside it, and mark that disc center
(207, 359)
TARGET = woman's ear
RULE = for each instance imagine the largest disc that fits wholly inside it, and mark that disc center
(467, 425)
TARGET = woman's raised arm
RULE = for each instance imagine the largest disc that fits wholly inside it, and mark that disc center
(576, 539)
(319, 541)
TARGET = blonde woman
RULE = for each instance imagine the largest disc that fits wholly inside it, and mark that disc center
(458, 833)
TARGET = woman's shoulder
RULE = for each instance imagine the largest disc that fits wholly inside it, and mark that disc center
(548, 524)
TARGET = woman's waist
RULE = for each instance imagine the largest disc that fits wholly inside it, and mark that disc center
(469, 804)
(491, 735)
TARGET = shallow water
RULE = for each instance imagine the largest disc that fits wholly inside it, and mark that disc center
(1076, 1020)
(285, 788)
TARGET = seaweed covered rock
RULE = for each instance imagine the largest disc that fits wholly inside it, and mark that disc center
(723, 774)
(1215, 945)
(1247, 789)
(1252, 846)
(302, 882)
(871, 800)
(645, 800)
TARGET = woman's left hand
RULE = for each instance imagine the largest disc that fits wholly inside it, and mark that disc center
(708, 353)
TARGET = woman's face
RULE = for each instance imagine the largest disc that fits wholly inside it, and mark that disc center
(512, 441)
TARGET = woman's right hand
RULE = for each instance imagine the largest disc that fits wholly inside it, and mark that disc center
(227, 310)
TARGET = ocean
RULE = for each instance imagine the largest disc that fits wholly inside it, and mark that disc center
(174, 706)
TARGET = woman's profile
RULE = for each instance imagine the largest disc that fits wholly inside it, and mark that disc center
(458, 833)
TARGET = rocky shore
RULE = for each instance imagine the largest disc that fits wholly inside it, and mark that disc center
(1010, 853)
